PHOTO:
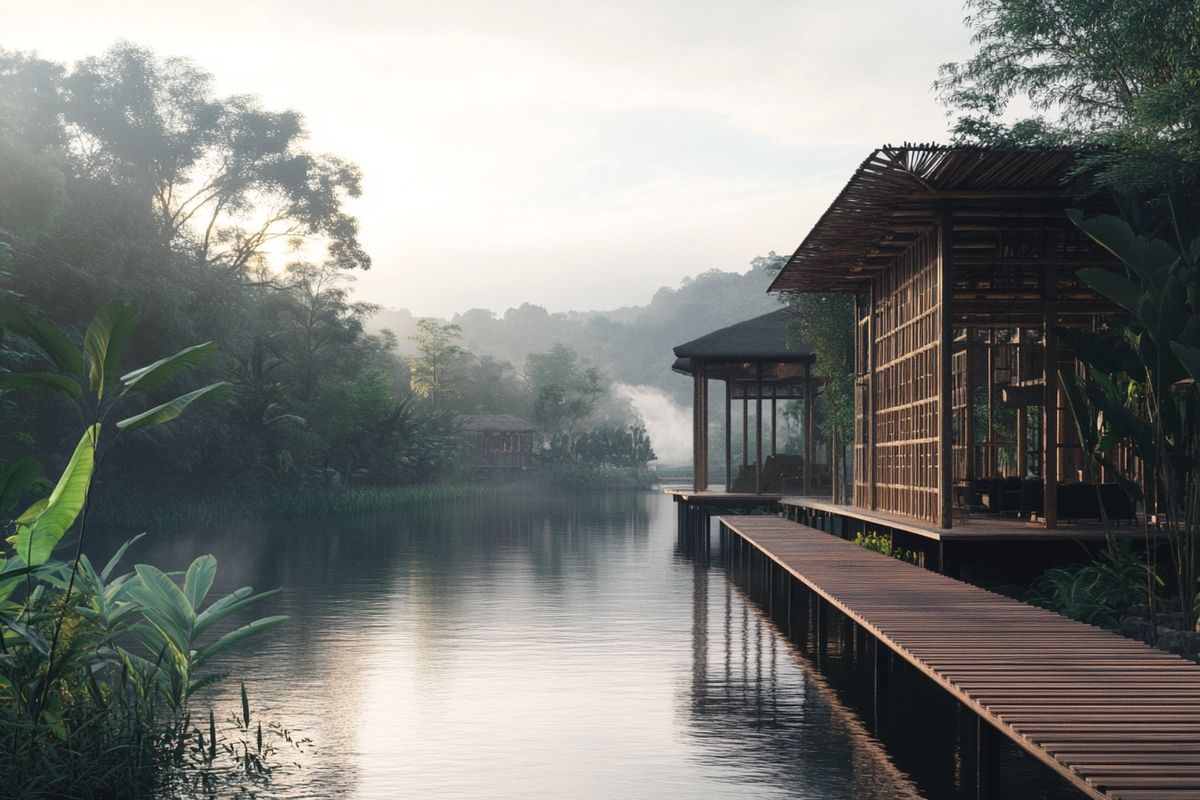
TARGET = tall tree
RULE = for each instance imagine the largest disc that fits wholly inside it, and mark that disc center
(436, 368)
(566, 390)
(319, 316)
(225, 177)
(1125, 75)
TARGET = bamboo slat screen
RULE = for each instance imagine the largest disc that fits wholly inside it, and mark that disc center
(862, 387)
(907, 324)
(961, 409)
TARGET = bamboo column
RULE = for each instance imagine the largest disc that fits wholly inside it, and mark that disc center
(774, 420)
(1022, 415)
(945, 430)
(809, 416)
(728, 436)
(699, 430)
(1050, 403)
(870, 402)
(758, 428)
(746, 428)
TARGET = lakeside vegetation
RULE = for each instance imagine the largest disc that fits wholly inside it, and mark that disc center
(127, 176)
(100, 665)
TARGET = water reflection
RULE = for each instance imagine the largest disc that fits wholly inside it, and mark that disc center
(526, 648)
(767, 715)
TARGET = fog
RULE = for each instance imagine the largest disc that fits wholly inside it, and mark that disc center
(668, 423)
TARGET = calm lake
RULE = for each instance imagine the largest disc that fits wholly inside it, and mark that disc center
(559, 647)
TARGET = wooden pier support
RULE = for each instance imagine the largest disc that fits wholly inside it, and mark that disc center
(1106, 713)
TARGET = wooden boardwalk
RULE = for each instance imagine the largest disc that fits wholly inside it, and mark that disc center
(1118, 719)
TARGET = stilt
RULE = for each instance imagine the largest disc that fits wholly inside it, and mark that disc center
(883, 665)
(987, 760)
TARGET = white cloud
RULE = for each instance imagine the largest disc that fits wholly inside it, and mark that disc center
(573, 154)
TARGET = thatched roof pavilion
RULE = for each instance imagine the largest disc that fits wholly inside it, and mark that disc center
(759, 359)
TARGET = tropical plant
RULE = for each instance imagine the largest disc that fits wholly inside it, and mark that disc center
(1100, 592)
(881, 543)
(1141, 384)
(826, 321)
(96, 669)
(615, 446)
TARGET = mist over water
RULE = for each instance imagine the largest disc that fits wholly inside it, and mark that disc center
(668, 423)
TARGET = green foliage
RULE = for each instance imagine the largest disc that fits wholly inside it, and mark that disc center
(437, 368)
(1122, 75)
(44, 523)
(1100, 592)
(579, 477)
(827, 322)
(1140, 388)
(884, 544)
(566, 391)
(32, 189)
(128, 176)
(224, 173)
(96, 669)
(605, 446)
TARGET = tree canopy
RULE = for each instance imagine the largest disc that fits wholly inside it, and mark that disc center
(1123, 76)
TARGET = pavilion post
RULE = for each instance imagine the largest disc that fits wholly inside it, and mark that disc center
(809, 418)
(774, 421)
(945, 428)
(699, 431)
(728, 435)
(869, 401)
(1022, 414)
(746, 428)
(1050, 403)
(758, 429)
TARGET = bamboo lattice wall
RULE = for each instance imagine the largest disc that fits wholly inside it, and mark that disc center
(907, 325)
(862, 386)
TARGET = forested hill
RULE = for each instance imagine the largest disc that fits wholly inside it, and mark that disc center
(631, 344)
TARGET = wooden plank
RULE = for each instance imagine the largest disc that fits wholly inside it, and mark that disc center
(1114, 717)
(977, 531)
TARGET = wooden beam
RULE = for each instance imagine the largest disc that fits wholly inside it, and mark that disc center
(728, 436)
(945, 382)
(774, 420)
(746, 429)
(704, 428)
(1022, 413)
(809, 418)
(698, 380)
(870, 477)
(758, 429)
(1050, 412)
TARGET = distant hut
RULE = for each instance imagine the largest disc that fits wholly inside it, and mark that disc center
(503, 441)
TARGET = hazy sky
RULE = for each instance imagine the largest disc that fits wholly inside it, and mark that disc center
(572, 154)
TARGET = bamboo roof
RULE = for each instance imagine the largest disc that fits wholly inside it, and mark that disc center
(896, 193)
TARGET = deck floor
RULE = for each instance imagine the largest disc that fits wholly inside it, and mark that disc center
(974, 528)
(710, 497)
(1118, 719)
